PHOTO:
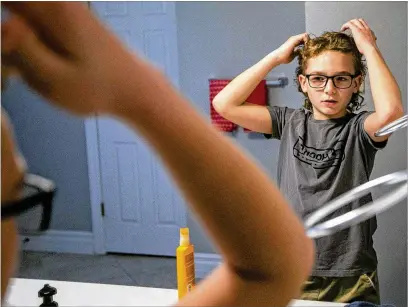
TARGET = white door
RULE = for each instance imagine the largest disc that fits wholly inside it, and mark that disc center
(143, 209)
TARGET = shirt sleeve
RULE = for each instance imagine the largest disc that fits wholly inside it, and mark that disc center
(279, 116)
(364, 137)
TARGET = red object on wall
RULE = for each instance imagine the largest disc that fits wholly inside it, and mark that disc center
(217, 120)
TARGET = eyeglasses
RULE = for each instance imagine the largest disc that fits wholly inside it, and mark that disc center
(37, 191)
(339, 81)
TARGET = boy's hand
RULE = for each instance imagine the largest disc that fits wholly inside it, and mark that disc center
(286, 52)
(362, 34)
(65, 54)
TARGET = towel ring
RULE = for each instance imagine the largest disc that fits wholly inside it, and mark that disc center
(361, 214)
(402, 122)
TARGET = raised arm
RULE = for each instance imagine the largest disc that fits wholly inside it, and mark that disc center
(80, 66)
(384, 87)
(230, 102)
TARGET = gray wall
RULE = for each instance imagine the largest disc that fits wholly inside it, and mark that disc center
(54, 146)
(389, 22)
(221, 39)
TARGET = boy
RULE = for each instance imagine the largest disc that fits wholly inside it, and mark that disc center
(326, 149)
(62, 51)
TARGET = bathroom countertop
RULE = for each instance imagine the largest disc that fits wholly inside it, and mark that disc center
(24, 292)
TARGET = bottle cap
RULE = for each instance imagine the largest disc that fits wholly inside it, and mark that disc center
(184, 237)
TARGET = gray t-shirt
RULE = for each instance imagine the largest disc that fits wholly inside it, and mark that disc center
(318, 161)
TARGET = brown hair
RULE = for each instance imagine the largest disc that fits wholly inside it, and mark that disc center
(331, 41)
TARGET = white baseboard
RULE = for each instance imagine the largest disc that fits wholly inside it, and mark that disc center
(205, 263)
(76, 242)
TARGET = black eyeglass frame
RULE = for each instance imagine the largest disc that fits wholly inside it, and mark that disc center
(44, 197)
(332, 78)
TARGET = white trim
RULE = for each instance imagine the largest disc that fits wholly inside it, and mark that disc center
(205, 263)
(76, 242)
(95, 185)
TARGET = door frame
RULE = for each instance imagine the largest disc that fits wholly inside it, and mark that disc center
(95, 184)
(93, 157)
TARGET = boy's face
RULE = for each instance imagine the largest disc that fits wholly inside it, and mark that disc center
(330, 101)
(12, 171)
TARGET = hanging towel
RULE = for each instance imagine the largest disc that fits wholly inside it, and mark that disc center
(217, 120)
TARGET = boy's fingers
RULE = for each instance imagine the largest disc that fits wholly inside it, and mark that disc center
(364, 23)
(305, 37)
(38, 65)
(301, 38)
(357, 24)
(344, 27)
(348, 25)
(47, 18)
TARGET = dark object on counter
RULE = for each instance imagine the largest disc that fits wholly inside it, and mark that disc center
(47, 294)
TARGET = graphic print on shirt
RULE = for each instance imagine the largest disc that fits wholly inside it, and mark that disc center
(319, 158)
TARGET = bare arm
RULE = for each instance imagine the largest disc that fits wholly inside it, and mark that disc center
(386, 95)
(230, 102)
(384, 88)
(267, 254)
(267, 250)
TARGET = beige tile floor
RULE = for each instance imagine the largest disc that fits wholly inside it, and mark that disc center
(145, 271)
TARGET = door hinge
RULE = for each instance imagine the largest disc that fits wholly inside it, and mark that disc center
(102, 209)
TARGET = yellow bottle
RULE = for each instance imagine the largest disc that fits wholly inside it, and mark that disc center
(185, 264)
